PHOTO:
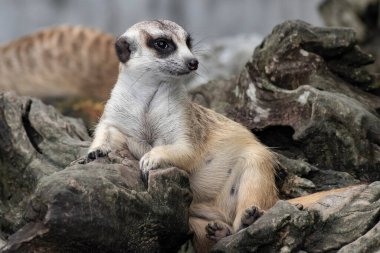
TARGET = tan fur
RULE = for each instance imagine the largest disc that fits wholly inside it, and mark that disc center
(60, 61)
(308, 200)
(224, 155)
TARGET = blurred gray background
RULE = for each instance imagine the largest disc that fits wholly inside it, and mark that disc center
(206, 19)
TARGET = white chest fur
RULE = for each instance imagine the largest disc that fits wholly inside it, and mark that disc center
(147, 113)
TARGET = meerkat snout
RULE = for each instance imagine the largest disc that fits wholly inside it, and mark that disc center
(192, 64)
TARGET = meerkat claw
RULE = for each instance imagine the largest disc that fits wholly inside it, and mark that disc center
(145, 177)
(299, 206)
(216, 231)
(149, 162)
(94, 155)
(250, 215)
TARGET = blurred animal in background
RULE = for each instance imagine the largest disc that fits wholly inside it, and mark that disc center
(71, 67)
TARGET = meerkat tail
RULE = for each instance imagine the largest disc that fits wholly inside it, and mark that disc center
(308, 200)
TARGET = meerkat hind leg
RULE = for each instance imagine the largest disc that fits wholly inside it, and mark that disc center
(257, 192)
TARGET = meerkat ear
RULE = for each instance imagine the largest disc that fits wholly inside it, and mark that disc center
(122, 49)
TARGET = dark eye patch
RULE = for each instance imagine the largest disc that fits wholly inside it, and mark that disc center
(163, 46)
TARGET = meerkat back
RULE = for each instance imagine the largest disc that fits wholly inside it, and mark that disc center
(60, 61)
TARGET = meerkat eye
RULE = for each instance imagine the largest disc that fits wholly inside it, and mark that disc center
(163, 46)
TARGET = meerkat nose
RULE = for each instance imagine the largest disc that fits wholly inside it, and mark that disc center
(192, 64)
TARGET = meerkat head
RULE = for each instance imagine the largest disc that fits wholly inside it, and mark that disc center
(160, 47)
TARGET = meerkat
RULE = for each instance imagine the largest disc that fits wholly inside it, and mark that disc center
(232, 175)
(60, 61)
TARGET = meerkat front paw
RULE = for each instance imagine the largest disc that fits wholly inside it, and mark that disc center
(98, 152)
(91, 156)
(250, 215)
(217, 230)
(149, 161)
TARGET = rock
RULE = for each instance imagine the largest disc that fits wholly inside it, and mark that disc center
(36, 141)
(363, 17)
(334, 223)
(289, 87)
(103, 206)
(2, 242)
(297, 178)
(360, 15)
(223, 58)
(293, 98)
(214, 94)
(369, 242)
(344, 217)
(317, 56)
